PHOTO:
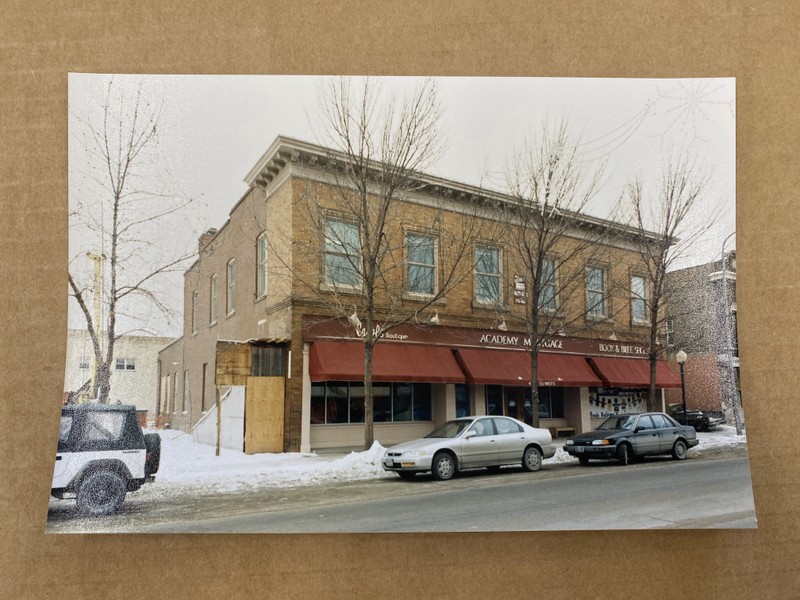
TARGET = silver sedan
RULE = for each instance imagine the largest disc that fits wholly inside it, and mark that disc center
(471, 442)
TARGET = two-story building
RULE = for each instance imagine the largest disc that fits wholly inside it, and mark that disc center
(262, 316)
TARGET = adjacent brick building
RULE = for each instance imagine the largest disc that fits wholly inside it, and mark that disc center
(256, 315)
(701, 309)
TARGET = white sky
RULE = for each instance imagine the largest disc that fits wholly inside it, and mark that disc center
(213, 129)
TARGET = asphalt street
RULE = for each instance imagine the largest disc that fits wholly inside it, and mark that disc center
(658, 493)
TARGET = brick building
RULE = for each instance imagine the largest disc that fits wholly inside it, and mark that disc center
(701, 320)
(256, 317)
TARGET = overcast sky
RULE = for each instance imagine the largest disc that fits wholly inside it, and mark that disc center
(213, 129)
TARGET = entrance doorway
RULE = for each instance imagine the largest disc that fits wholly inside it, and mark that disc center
(517, 404)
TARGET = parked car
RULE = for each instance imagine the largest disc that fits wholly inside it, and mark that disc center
(471, 442)
(102, 455)
(626, 437)
(698, 419)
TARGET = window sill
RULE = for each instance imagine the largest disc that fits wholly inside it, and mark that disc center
(341, 289)
(426, 298)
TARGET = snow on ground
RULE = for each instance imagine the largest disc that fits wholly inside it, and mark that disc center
(186, 464)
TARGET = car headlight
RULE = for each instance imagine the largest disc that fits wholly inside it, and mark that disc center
(601, 443)
(414, 453)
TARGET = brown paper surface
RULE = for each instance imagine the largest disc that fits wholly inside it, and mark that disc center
(41, 42)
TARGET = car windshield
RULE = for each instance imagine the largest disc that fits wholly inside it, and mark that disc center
(450, 429)
(618, 422)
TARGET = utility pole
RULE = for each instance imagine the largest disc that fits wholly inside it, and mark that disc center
(97, 293)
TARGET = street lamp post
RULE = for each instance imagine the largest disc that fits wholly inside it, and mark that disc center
(732, 391)
(680, 356)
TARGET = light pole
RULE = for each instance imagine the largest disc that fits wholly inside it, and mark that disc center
(680, 356)
(733, 392)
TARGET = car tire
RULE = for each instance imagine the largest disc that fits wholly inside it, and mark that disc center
(679, 450)
(583, 460)
(407, 475)
(443, 466)
(100, 493)
(531, 459)
(624, 453)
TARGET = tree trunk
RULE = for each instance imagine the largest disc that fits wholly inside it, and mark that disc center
(369, 435)
(534, 385)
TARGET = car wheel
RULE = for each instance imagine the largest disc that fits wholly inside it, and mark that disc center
(624, 454)
(679, 450)
(531, 459)
(444, 466)
(407, 475)
(101, 493)
(583, 460)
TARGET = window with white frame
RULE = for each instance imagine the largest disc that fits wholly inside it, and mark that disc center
(421, 270)
(195, 303)
(638, 299)
(342, 254)
(596, 301)
(261, 265)
(487, 275)
(125, 364)
(185, 400)
(212, 300)
(547, 284)
(230, 297)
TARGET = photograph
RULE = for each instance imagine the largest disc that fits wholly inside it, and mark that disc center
(369, 304)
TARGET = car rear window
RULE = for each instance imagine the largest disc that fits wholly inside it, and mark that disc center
(103, 426)
(66, 427)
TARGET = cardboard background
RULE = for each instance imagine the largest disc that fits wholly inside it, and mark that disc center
(39, 44)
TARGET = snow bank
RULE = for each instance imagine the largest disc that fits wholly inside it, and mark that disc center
(187, 464)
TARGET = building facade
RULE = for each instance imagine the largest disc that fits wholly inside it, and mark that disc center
(701, 320)
(261, 312)
(134, 374)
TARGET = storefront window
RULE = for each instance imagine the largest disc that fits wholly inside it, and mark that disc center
(551, 403)
(343, 402)
(336, 393)
(494, 399)
(462, 400)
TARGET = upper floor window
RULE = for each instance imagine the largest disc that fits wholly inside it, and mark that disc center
(547, 285)
(638, 299)
(596, 302)
(84, 362)
(487, 275)
(126, 364)
(261, 266)
(342, 254)
(230, 298)
(421, 271)
(212, 303)
(195, 303)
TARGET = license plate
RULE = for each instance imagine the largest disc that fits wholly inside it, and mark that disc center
(578, 449)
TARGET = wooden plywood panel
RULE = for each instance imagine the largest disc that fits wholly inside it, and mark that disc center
(264, 411)
(233, 363)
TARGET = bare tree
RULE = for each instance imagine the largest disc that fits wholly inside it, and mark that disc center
(121, 220)
(668, 222)
(552, 239)
(384, 265)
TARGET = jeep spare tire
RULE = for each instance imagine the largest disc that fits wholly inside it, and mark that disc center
(152, 442)
(101, 493)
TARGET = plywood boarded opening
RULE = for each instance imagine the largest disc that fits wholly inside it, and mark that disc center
(264, 411)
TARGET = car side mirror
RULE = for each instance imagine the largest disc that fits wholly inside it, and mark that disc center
(638, 430)
(470, 434)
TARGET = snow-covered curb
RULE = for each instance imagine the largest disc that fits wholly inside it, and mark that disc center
(186, 464)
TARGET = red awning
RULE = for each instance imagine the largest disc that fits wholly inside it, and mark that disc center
(508, 367)
(634, 372)
(344, 361)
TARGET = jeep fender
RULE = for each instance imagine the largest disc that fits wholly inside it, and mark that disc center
(117, 466)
